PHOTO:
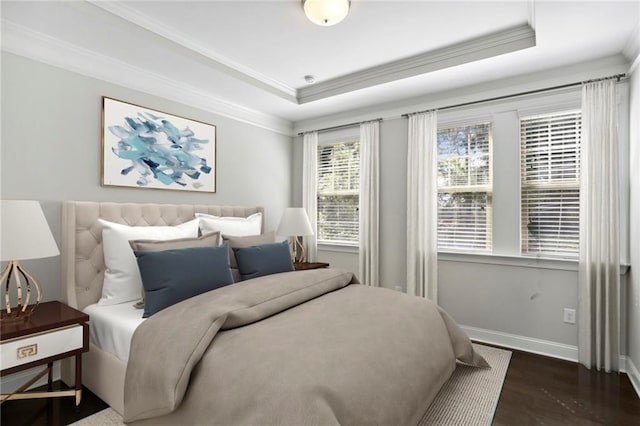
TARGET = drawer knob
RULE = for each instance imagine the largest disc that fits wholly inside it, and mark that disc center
(27, 351)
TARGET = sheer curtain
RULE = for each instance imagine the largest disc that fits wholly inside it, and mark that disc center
(310, 190)
(422, 206)
(369, 202)
(599, 267)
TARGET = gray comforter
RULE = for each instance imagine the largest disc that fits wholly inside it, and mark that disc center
(307, 347)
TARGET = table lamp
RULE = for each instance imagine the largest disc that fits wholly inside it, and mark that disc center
(295, 223)
(24, 234)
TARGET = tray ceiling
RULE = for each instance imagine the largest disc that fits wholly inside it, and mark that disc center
(252, 56)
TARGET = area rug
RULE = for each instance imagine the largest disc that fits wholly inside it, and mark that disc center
(469, 397)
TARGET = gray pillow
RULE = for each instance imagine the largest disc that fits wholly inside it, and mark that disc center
(209, 240)
(253, 240)
(171, 276)
(212, 239)
(263, 259)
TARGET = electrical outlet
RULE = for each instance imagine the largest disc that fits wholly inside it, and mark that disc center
(569, 316)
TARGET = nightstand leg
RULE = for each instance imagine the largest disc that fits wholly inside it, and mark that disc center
(50, 377)
(78, 379)
(17, 393)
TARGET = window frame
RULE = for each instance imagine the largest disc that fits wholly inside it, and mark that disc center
(486, 188)
(549, 186)
(336, 245)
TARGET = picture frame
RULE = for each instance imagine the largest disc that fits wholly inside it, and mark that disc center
(147, 148)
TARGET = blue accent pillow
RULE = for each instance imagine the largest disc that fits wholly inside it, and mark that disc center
(263, 259)
(171, 276)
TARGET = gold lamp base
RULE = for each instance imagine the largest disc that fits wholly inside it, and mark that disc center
(297, 249)
(23, 278)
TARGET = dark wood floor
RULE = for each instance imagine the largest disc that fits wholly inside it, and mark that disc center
(537, 391)
(546, 391)
(51, 411)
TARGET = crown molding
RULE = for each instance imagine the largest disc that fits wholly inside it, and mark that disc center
(229, 66)
(26, 42)
(632, 49)
(498, 43)
(501, 42)
(494, 88)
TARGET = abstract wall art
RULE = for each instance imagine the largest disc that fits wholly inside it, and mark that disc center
(145, 148)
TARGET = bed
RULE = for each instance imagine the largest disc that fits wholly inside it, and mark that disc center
(83, 271)
(311, 347)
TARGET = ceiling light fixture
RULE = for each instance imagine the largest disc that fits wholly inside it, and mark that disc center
(326, 12)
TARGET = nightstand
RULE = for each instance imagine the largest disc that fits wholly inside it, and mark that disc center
(303, 266)
(53, 332)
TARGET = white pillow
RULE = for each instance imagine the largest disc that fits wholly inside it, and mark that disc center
(122, 281)
(232, 226)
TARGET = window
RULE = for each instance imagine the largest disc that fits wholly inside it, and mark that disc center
(338, 193)
(464, 188)
(550, 184)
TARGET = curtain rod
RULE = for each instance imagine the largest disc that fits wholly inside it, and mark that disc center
(530, 92)
(342, 126)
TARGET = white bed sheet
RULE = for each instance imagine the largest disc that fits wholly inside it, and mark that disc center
(111, 327)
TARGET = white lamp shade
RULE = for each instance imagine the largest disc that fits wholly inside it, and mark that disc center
(24, 231)
(326, 12)
(294, 222)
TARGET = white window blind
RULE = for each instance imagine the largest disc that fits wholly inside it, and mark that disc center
(464, 188)
(550, 186)
(338, 192)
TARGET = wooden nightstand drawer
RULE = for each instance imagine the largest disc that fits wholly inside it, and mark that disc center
(41, 345)
(52, 332)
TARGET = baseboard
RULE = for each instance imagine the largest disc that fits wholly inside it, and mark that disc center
(12, 382)
(634, 375)
(544, 347)
(523, 343)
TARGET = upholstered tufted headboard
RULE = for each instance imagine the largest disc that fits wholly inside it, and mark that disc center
(82, 257)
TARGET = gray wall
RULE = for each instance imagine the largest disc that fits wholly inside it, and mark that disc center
(51, 133)
(633, 299)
